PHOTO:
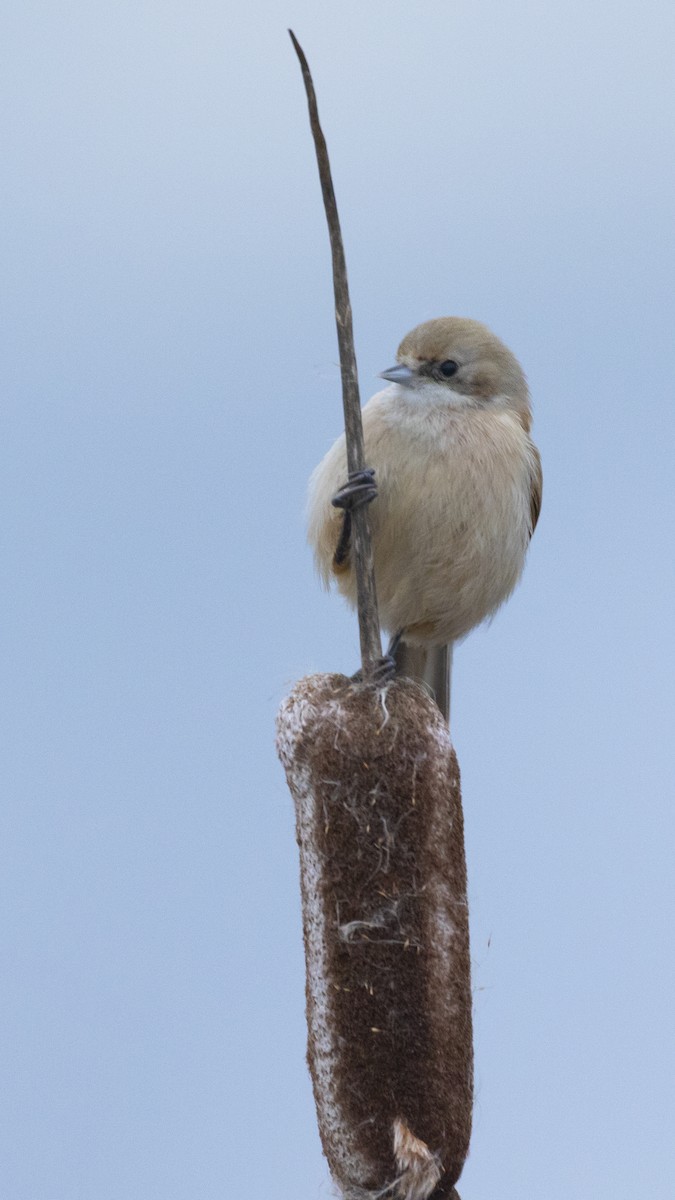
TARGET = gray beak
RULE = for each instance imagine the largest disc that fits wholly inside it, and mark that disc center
(399, 374)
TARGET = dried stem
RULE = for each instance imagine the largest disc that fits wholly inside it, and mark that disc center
(369, 625)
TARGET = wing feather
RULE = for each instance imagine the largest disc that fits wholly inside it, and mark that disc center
(536, 489)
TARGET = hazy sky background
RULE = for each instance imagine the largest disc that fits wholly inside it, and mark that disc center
(169, 379)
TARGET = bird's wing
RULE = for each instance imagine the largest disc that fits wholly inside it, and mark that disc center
(535, 489)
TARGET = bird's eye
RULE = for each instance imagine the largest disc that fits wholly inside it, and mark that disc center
(448, 368)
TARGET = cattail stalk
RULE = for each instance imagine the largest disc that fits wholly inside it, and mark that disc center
(379, 823)
(369, 624)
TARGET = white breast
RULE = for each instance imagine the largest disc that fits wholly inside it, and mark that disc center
(451, 523)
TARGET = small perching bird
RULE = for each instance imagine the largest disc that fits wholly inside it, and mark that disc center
(369, 760)
(457, 482)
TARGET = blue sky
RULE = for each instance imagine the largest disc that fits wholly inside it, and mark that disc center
(169, 379)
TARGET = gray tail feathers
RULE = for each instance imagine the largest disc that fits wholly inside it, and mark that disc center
(430, 665)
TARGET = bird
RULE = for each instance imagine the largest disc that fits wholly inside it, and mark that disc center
(454, 484)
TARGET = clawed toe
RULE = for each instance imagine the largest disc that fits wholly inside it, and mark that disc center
(383, 672)
(359, 489)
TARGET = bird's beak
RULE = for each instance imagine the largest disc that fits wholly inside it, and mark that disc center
(399, 374)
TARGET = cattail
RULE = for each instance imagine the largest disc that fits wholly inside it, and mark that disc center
(375, 783)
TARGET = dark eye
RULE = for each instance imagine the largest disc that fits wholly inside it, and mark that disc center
(448, 368)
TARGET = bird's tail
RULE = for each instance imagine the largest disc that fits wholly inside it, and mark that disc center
(430, 665)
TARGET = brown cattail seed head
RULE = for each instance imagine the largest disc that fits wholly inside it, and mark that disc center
(379, 824)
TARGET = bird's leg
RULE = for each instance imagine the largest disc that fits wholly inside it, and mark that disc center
(344, 540)
(394, 643)
(359, 489)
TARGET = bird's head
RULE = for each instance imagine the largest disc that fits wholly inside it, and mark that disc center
(459, 362)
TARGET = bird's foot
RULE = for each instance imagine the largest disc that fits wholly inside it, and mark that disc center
(359, 489)
(383, 672)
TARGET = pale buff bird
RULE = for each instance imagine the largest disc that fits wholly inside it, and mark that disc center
(457, 491)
